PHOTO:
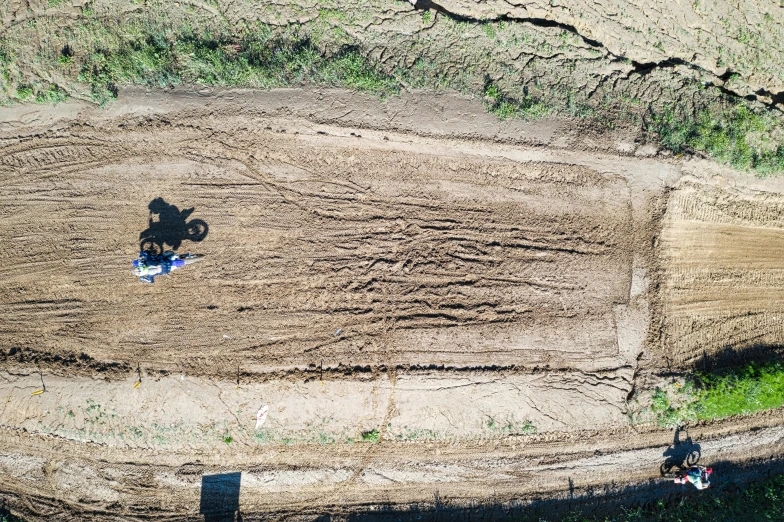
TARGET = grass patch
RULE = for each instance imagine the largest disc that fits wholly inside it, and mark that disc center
(418, 434)
(527, 108)
(510, 428)
(736, 136)
(758, 501)
(159, 57)
(228, 439)
(750, 389)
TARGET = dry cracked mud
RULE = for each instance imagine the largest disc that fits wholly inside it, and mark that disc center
(421, 305)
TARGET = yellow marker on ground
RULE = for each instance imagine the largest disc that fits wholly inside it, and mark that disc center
(137, 385)
(37, 392)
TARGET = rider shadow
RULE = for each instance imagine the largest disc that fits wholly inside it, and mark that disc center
(220, 497)
(169, 227)
(683, 453)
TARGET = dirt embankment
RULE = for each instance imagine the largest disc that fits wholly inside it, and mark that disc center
(609, 61)
(734, 43)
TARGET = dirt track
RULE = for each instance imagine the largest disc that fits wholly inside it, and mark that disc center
(51, 478)
(433, 289)
(419, 254)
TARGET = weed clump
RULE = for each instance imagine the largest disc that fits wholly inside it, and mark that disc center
(370, 436)
(527, 108)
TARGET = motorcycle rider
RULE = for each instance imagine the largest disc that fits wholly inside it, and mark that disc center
(698, 476)
(149, 265)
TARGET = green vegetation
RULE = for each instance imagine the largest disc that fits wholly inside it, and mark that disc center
(704, 396)
(510, 428)
(759, 501)
(370, 436)
(735, 135)
(158, 57)
(418, 434)
(527, 109)
(228, 439)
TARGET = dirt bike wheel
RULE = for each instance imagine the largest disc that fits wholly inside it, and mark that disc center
(692, 458)
(196, 230)
(150, 246)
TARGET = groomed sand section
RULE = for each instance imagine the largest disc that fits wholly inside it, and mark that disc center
(723, 271)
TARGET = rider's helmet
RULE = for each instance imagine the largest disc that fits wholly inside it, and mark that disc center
(708, 471)
(140, 270)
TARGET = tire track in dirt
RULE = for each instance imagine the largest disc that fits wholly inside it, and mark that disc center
(444, 285)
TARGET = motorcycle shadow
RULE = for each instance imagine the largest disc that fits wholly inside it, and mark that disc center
(168, 226)
(682, 454)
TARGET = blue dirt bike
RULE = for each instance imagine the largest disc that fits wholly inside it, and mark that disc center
(149, 265)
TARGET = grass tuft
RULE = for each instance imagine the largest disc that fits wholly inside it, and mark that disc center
(370, 436)
(528, 108)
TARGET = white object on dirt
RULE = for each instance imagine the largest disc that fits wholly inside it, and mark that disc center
(337, 332)
(226, 337)
(261, 416)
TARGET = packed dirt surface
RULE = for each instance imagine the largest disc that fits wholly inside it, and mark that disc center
(53, 478)
(442, 312)
(353, 250)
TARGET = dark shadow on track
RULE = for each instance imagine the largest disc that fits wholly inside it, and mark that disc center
(220, 497)
(732, 357)
(168, 226)
(683, 453)
(657, 494)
